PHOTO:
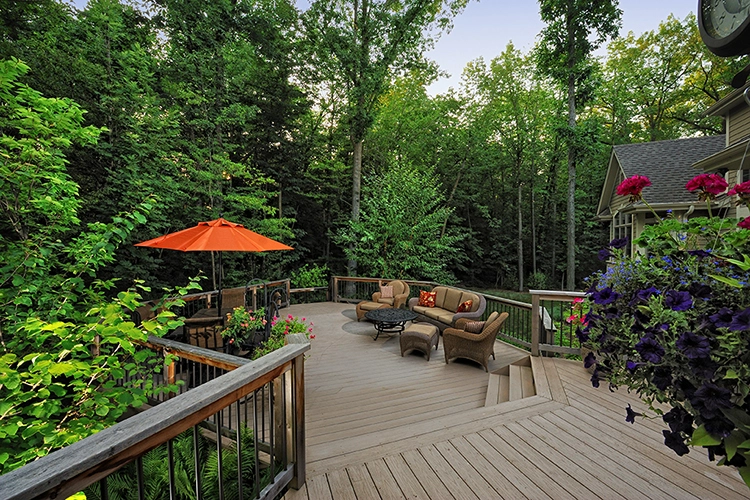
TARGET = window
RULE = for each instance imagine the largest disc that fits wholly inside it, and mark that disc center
(623, 228)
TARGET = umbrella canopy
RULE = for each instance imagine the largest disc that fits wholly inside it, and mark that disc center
(218, 235)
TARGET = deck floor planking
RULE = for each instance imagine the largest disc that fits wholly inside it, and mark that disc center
(384, 426)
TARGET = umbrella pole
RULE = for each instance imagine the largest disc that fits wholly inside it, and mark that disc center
(218, 300)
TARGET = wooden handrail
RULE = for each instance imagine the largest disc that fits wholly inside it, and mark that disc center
(73, 468)
(537, 320)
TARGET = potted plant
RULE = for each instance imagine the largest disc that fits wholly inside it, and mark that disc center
(673, 325)
(240, 328)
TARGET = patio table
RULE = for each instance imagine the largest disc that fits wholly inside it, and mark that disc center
(390, 320)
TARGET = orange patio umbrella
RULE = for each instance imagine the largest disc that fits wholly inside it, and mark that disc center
(218, 235)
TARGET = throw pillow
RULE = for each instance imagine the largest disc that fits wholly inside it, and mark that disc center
(465, 306)
(474, 326)
(427, 299)
(386, 292)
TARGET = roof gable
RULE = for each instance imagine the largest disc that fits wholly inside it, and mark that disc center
(667, 163)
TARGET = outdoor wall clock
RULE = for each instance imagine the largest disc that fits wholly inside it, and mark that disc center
(725, 26)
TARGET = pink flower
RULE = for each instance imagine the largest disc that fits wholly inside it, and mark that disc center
(309, 330)
(244, 325)
(632, 186)
(312, 336)
(744, 223)
(290, 317)
(741, 190)
(304, 319)
(578, 300)
(709, 185)
(572, 318)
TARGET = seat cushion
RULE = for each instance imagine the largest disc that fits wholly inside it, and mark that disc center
(421, 329)
(446, 317)
(420, 309)
(384, 300)
(452, 299)
(371, 306)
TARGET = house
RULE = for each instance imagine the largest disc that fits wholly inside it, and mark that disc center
(732, 159)
(670, 165)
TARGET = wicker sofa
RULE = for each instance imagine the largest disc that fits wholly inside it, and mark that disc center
(447, 300)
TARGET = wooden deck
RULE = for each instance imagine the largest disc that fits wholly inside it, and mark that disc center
(383, 426)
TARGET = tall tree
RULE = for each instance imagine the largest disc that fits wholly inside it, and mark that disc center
(364, 40)
(575, 28)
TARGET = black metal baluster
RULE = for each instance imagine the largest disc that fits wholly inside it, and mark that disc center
(217, 422)
(256, 467)
(239, 451)
(197, 464)
(271, 428)
(170, 462)
(139, 476)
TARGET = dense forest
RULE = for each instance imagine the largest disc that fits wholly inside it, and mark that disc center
(315, 127)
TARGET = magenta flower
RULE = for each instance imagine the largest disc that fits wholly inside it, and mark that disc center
(744, 223)
(632, 186)
(710, 185)
(742, 190)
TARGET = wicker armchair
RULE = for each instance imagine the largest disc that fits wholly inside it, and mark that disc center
(474, 346)
(400, 296)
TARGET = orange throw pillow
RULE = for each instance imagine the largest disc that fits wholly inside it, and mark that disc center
(427, 299)
(464, 307)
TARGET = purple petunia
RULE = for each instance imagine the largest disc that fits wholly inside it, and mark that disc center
(709, 400)
(618, 243)
(595, 378)
(693, 345)
(590, 360)
(642, 296)
(700, 291)
(719, 426)
(703, 367)
(631, 415)
(741, 321)
(701, 254)
(678, 301)
(604, 254)
(662, 378)
(583, 334)
(679, 420)
(676, 442)
(722, 318)
(650, 350)
(631, 366)
(605, 296)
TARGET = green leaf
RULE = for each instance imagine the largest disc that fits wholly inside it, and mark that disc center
(731, 375)
(729, 281)
(745, 445)
(732, 442)
(701, 437)
(61, 369)
(745, 474)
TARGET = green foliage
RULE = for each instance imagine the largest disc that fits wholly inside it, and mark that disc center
(66, 347)
(309, 276)
(122, 484)
(399, 234)
(242, 325)
(280, 328)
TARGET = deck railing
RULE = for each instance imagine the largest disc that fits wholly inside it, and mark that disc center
(258, 402)
(551, 331)
(540, 327)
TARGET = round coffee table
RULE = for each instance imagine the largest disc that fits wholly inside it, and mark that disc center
(390, 320)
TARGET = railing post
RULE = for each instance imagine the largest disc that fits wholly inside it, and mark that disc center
(335, 289)
(297, 440)
(535, 323)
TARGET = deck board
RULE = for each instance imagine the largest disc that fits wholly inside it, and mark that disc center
(384, 426)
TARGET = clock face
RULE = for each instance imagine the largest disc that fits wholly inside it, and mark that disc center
(724, 26)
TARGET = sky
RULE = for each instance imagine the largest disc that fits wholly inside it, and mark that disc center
(485, 28)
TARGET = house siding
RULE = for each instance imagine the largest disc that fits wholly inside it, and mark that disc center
(738, 124)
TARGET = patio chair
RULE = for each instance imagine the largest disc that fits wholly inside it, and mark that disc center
(400, 295)
(458, 343)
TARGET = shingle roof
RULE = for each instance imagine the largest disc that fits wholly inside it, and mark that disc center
(667, 164)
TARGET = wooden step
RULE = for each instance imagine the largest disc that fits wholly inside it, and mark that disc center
(493, 389)
(516, 391)
(527, 382)
(511, 383)
(504, 392)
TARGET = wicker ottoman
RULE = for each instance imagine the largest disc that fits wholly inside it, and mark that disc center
(366, 305)
(422, 337)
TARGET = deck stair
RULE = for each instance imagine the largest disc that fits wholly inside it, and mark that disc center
(511, 382)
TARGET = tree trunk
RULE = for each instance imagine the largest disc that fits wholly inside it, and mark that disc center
(520, 236)
(571, 271)
(356, 193)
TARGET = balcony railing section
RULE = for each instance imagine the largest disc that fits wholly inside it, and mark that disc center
(550, 329)
(245, 417)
